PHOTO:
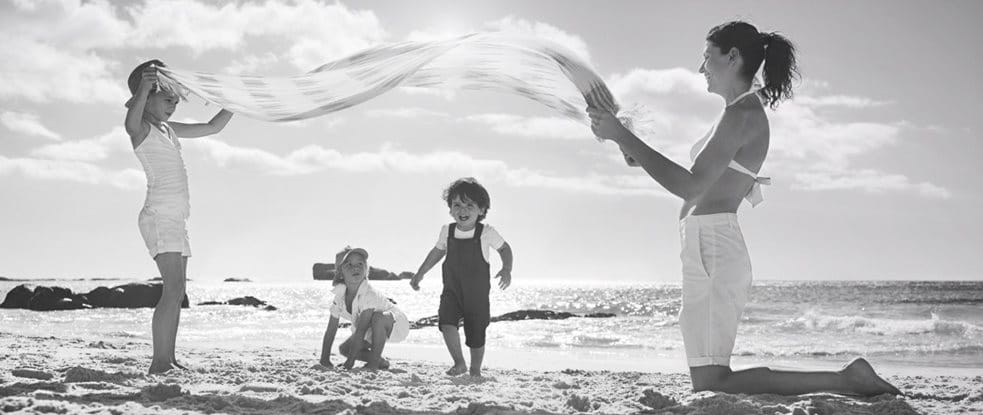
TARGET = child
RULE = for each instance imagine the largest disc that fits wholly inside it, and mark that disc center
(163, 219)
(465, 272)
(375, 319)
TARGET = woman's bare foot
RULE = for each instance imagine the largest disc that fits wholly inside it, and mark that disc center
(865, 381)
(457, 370)
(159, 367)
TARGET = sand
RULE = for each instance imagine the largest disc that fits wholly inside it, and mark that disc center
(65, 375)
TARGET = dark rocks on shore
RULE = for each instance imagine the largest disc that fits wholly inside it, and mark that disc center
(132, 295)
(433, 321)
(41, 298)
(237, 280)
(326, 272)
(533, 315)
(247, 301)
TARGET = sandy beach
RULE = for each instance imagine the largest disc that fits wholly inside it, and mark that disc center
(66, 375)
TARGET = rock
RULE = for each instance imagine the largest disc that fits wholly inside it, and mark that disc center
(533, 315)
(56, 298)
(18, 297)
(247, 301)
(237, 280)
(31, 373)
(600, 315)
(132, 295)
(323, 272)
(431, 321)
(326, 272)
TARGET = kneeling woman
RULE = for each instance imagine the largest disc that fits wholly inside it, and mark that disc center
(375, 319)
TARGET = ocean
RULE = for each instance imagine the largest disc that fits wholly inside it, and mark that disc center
(919, 324)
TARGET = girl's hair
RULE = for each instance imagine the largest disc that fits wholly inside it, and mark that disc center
(775, 50)
(468, 188)
(133, 81)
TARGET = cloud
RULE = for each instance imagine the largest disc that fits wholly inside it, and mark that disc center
(544, 31)
(844, 101)
(41, 72)
(405, 112)
(534, 127)
(92, 149)
(74, 171)
(312, 159)
(313, 32)
(57, 50)
(25, 123)
(251, 64)
(869, 180)
(52, 50)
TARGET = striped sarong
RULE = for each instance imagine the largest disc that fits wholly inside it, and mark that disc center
(534, 68)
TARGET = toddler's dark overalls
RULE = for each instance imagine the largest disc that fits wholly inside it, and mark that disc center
(467, 283)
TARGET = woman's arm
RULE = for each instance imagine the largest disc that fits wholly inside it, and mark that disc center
(328, 341)
(728, 137)
(216, 124)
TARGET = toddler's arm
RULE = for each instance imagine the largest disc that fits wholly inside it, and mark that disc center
(505, 274)
(329, 334)
(432, 259)
(216, 124)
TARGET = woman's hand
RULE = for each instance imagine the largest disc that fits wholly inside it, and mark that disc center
(605, 125)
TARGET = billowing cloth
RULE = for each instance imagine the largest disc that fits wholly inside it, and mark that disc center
(534, 68)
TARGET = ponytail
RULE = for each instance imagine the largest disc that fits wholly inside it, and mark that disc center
(779, 68)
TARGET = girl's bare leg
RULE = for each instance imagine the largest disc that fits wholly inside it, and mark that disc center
(165, 320)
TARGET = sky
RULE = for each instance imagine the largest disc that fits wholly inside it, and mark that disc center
(875, 162)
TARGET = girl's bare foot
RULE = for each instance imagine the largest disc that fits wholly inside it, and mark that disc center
(476, 373)
(178, 365)
(159, 367)
(383, 363)
(865, 381)
(457, 370)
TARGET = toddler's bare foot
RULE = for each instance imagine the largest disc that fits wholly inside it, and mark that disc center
(457, 370)
(866, 382)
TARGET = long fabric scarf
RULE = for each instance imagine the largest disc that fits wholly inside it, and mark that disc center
(534, 68)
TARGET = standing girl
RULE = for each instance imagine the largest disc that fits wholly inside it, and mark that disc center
(163, 219)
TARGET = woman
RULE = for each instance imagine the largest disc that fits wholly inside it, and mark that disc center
(716, 266)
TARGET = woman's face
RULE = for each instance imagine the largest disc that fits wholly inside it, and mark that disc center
(716, 68)
(354, 269)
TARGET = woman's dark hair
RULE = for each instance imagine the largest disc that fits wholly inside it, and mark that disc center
(775, 50)
(467, 188)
